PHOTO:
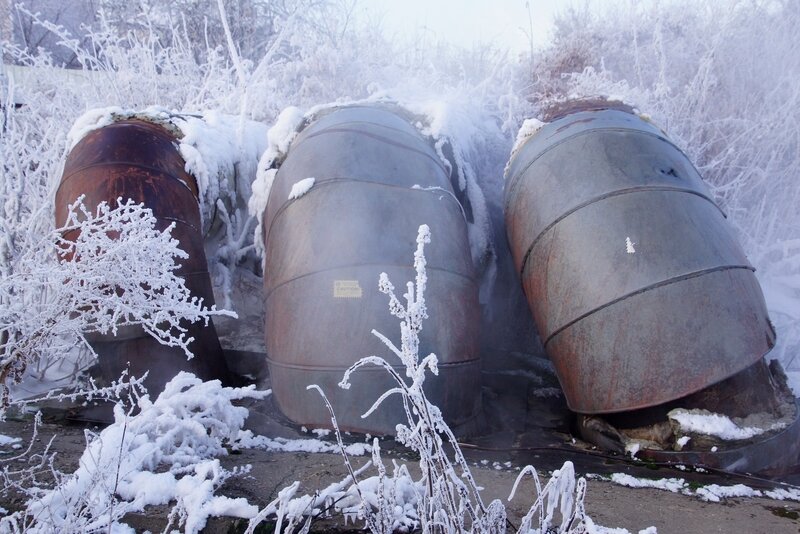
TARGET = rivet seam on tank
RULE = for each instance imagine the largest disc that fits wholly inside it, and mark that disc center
(378, 137)
(161, 172)
(334, 181)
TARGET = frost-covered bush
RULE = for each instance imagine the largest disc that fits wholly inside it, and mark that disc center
(167, 451)
(64, 287)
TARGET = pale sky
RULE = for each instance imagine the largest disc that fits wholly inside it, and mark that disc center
(465, 22)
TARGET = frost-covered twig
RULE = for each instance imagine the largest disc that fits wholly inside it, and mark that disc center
(449, 500)
(120, 388)
(446, 498)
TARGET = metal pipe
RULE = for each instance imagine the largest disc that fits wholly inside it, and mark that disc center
(638, 286)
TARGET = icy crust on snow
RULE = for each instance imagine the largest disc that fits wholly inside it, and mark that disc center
(279, 138)
(710, 493)
(8, 440)
(247, 440)
(166, 452)
(669, 484)
(529, 128)
(301, 187)
(720, 426)
(452, 123)
(213, 145)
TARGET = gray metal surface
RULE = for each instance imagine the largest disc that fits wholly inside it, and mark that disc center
(629, 328)
(325, 251)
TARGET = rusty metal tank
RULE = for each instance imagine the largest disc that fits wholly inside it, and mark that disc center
(376, 181)
(639, 289)
(139, 160)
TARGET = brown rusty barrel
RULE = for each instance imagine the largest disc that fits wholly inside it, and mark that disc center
(638, 286)
(139, 160)
(376, 181)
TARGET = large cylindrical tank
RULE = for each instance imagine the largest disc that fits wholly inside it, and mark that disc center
(376, 181)
(638, 286)
(139, 160)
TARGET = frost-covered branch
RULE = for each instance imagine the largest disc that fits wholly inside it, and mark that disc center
(102, 271)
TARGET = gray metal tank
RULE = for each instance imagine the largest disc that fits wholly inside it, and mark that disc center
(638, 286)
(325, 251)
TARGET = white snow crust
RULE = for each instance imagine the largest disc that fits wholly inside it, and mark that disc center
(8, 440)
(713, 424)
(301, 187)
(709, 493)
(528, 129)
(279, 138)
(674, 485)
(247, 440)
(717, 493)
(213, 145)
(167, 452)
(784, 494)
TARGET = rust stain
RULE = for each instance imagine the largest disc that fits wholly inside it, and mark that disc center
(139, 160)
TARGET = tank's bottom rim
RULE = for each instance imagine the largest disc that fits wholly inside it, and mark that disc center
(734, 459)
(676, 394)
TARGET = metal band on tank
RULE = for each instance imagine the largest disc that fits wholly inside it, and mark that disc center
(336, 129)
(161, 172)
(516, 178)
(662, 283)
(440, 366)
(619, 192)
(345, 126)
(340, 180)
(582, 122)
(179, 221)
(336, 181)
(362, 264)
(606, 119)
